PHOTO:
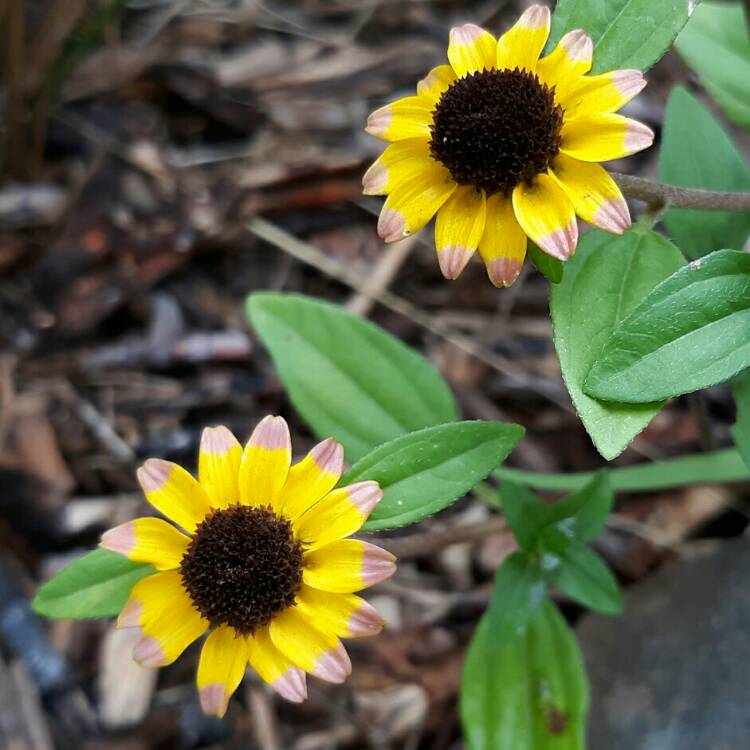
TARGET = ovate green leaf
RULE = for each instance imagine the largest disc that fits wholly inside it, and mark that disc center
(518, 592)
(579, 517)
(580, 573)
(713, 164)
(691, 332)
(741, 429)
(527, 694)
(582, 515)
(603, 283)
(423, 472)
(716, 43)
(348, 378)
(626, 33)
(95, 585)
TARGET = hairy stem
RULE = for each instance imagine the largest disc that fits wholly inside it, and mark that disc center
(658, 195)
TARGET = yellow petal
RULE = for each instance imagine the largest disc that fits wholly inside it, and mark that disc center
(219, 465)
(603, 93)
(471, 49)
(312, 478)
(595, 195)
(414, 201)
(346, 566)
(265, 462)
(274, 668)
(409, 117)
(602, 137)
(342, 615)
(321, 654)
(458, 229)
(174, 492)
(503, 244)
(522, 44)
(570, 59)
(220, 669)
(162, 608)
(396, 164)
(546, 214)
(338, 514)
(148, 540)
(435, 83)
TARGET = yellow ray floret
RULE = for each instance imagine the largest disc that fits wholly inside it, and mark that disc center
(300, 627)
(456, 156)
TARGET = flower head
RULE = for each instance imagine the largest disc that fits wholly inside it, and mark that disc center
(503, 145)
(263, 565)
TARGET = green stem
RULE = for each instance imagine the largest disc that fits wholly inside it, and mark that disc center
(705, 468)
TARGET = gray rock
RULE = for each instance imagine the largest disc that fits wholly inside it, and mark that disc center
(673, 673)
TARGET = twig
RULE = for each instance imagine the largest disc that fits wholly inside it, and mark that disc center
(656, 194)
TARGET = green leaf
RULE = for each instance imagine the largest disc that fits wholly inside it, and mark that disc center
(714, 164)
(626, 33)
(704, 468)
(95, 585)
(581, 574)
(691, 332)
(716, 44)
(551, 268)
(526, 514)
(741, 429)
(603, 282)
(529, 694)
(423, 472)
(582, 515)
(518, 592)
(348, 378)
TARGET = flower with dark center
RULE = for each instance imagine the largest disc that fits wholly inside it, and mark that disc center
(264, 566)
(496, 129)
(503, 145)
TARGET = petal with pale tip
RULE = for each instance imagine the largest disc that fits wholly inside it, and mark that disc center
(338, 514)
(607, 92)
(414, 201)
(503, 243)
(219, 459)
(547, 216)
(342, 615)
(459, 228)
(435, 83)
(595, 195)
(312, 478)
(174, 492)
(570, 60)
(522, 44)
(347, 565)
(162, 608)
(318, 653)
(397, 163)
(471, 49)
(148, 540)
(274, 668)
(409, 117)
(222, 665)
(265, 463)
(603, 136)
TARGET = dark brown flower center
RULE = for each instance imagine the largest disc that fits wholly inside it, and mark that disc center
(243, 567)
(496, 129)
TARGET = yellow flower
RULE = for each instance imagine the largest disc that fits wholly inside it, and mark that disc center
(264, 564)
(503, 146)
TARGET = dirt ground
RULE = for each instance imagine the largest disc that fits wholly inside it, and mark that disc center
(161, 160)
